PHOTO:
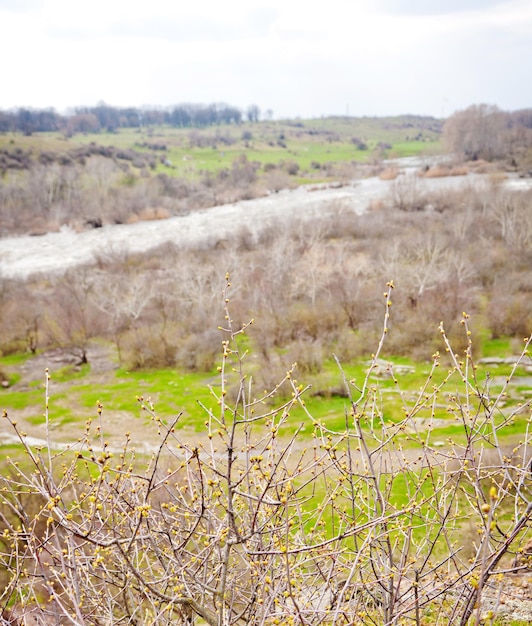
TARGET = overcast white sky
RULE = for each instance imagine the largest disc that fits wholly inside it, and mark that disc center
(298, 58)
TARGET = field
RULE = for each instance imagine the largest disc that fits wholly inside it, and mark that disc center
(196, 151)
(50, 180)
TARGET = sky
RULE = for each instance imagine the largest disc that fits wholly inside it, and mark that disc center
(293, 57)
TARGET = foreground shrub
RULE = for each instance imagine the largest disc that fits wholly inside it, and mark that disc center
(269, 516)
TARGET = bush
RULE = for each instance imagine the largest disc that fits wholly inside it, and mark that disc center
(291, 167)
(271, 517)
(390, 173)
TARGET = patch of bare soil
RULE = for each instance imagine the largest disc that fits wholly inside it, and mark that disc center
(100, 357)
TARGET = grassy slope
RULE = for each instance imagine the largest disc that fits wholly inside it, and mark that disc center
(323, 141)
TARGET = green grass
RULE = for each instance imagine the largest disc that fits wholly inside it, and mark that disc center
(14, 360)
(392, 398)
(497, 347)
(322, 141)
(71, 372)
(170, 392)
(74, 396)
(18, 400)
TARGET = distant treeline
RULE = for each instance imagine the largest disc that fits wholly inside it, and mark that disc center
(109, 118)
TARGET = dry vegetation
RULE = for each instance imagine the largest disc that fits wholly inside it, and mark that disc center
(99, 189)
(315, 287)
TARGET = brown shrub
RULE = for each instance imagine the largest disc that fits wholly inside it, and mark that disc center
(376, 205)
(509, 314)
(154, 213)
(438, 171)
(390, 173)
(307, 355)
(199, 352)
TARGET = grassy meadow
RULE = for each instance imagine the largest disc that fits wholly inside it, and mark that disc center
(398, 383)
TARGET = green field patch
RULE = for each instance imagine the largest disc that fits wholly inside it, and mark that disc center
(169, 391)
(12, 451)
(8, 368)
(15, 360)
(19, 400)
(402, 149)
(172, 392)
(496, 347)
(57, 416)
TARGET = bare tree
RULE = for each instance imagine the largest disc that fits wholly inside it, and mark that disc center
(478, 132)
(122, 299)
(82, 123)
(405, 193)
(71, 319)
(513, 215)
(102, 174)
